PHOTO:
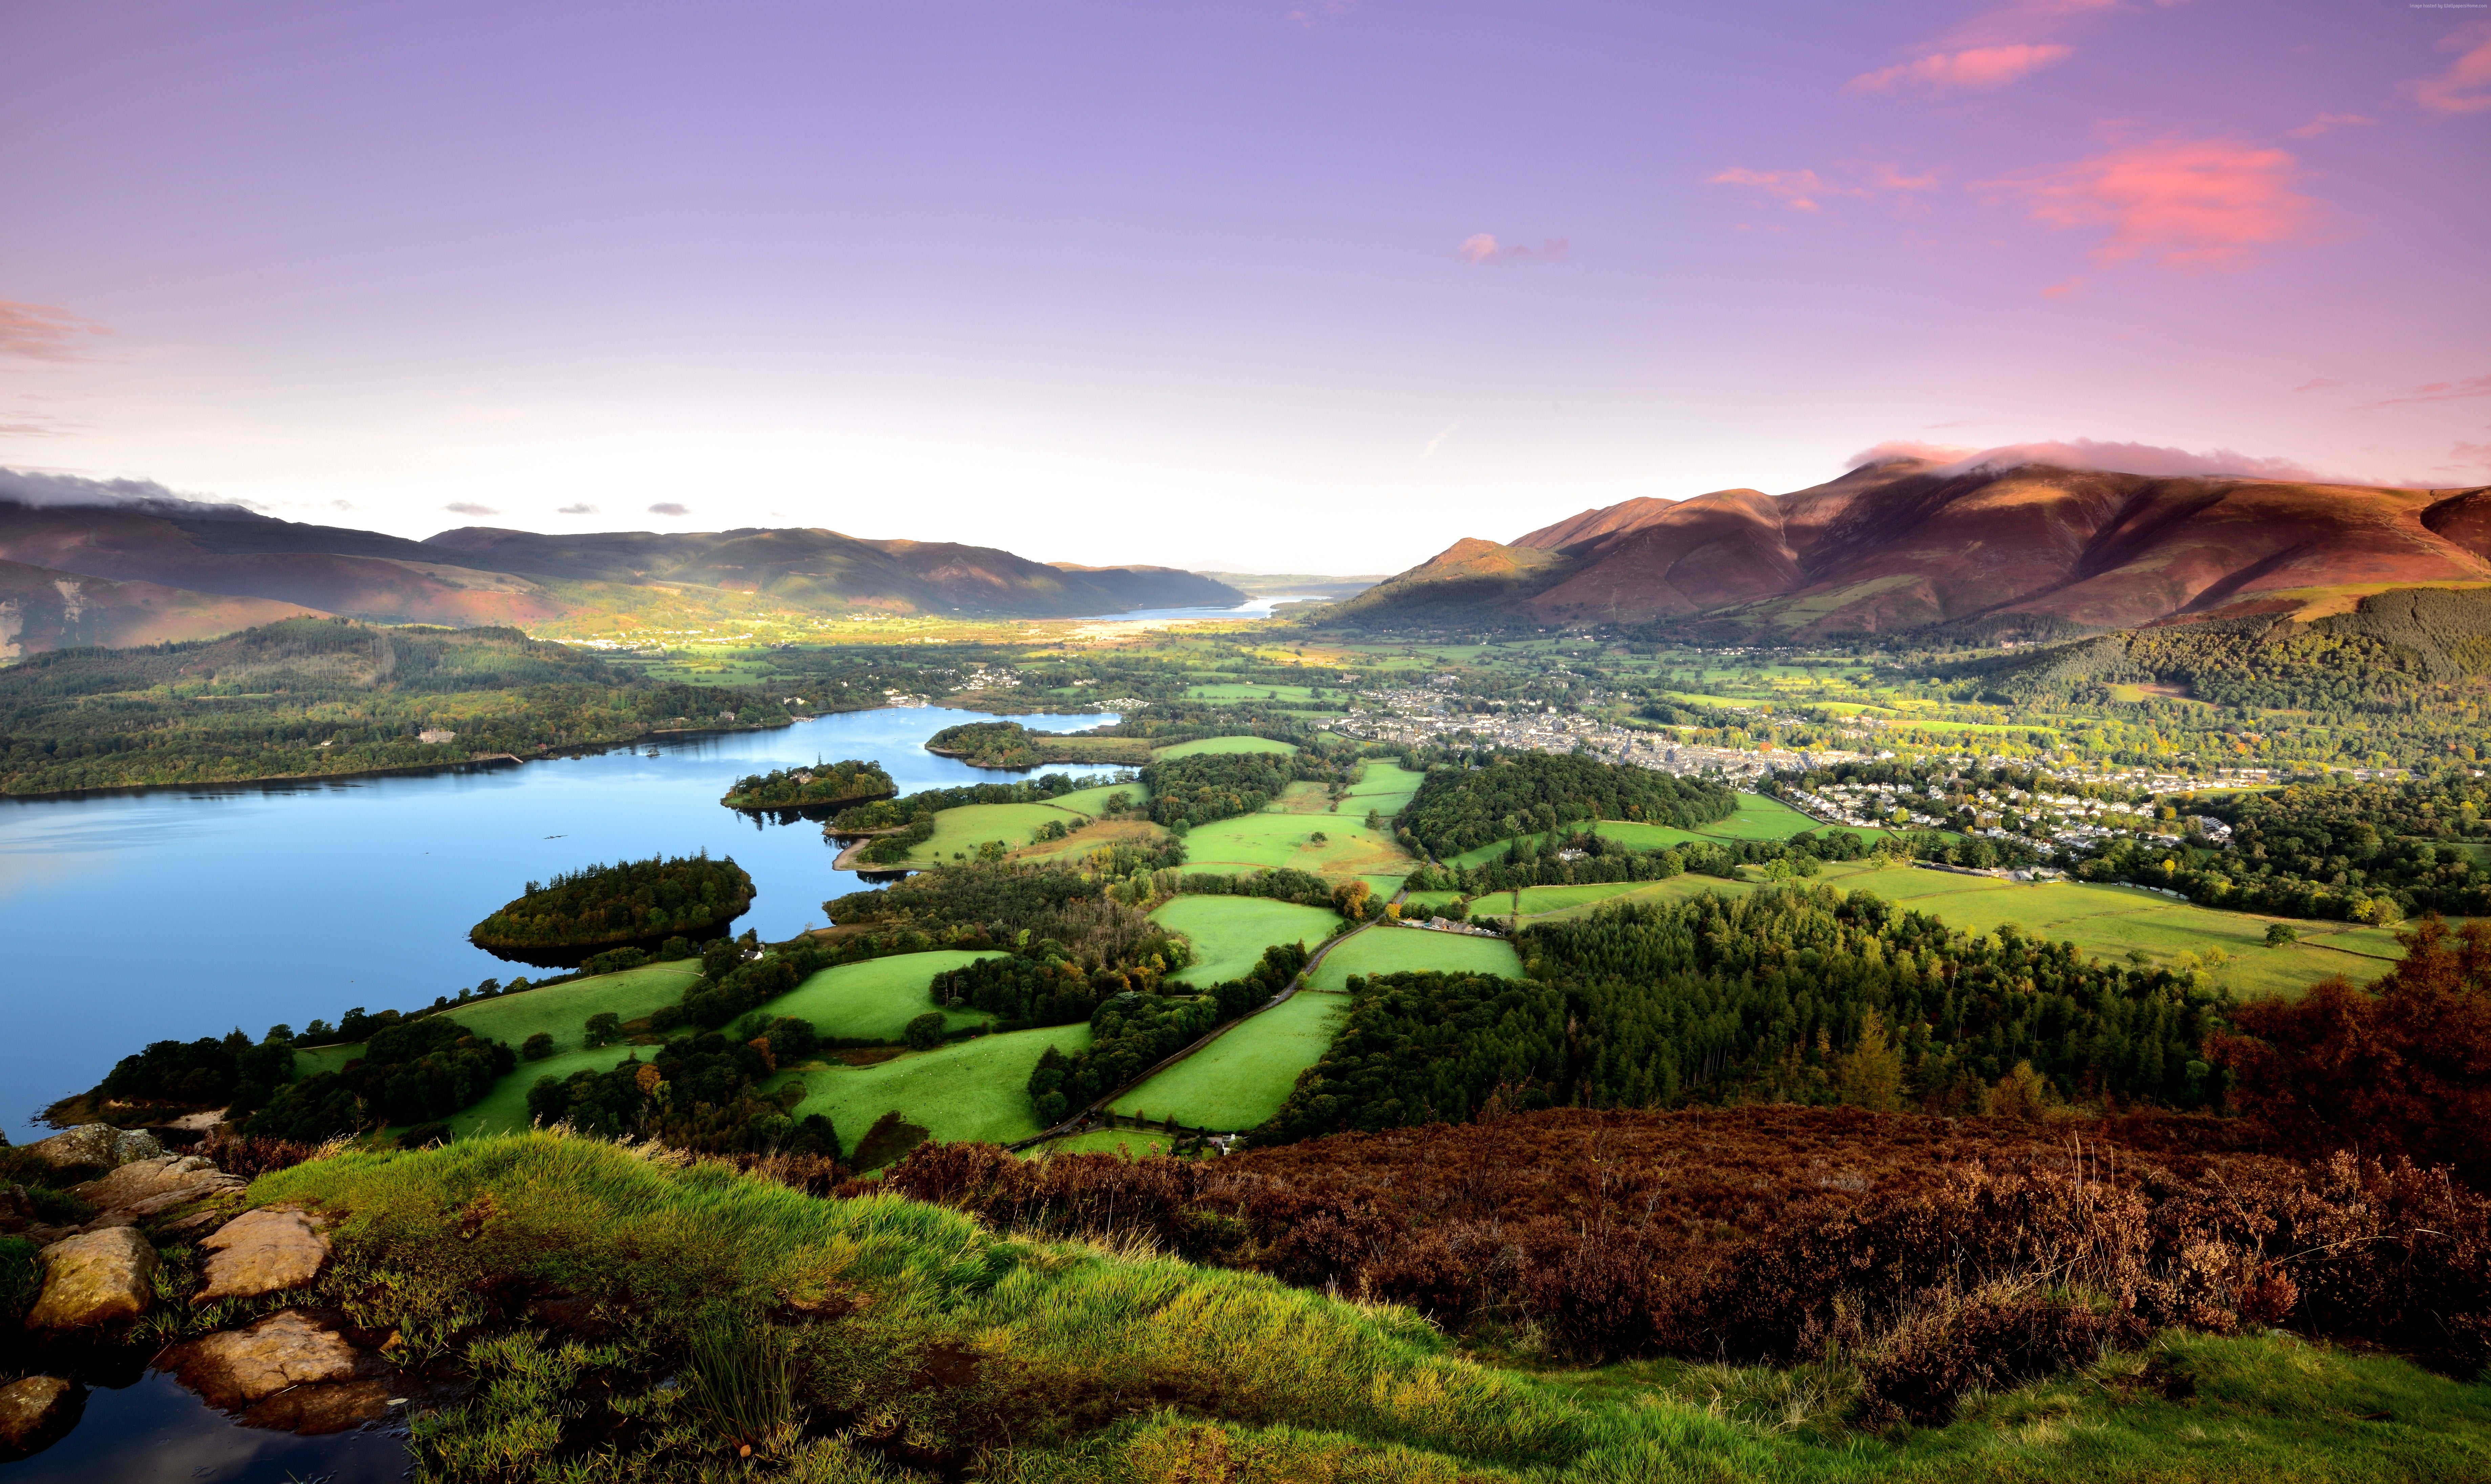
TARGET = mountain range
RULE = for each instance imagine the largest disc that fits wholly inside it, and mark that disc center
(1908, 543)
(143, 572)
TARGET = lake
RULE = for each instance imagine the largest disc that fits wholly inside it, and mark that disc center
(183, 913)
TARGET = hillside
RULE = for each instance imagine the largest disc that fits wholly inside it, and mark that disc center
(477, 575)
(1904, 545)
(44, 608)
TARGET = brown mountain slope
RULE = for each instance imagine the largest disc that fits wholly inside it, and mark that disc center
(42, 608)
(1903, 544)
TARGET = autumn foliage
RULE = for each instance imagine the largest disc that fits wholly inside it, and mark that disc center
(2400, 1068)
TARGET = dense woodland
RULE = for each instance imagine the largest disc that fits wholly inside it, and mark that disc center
(309, 697)
(1788, 994)
(631, 901)
(1460, 809)
(1195, 789)
(1010, 745)
(419, 1071)
(700, 1092)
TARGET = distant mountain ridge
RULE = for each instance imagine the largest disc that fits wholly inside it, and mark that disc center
(480, 575)
(1906, 543)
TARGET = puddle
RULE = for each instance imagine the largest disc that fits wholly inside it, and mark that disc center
(153, 1432)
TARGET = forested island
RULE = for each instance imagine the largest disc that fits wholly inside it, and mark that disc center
(822, 786)
(1010, 745)
(639, 903)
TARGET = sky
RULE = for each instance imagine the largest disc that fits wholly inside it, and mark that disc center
(1260, 285)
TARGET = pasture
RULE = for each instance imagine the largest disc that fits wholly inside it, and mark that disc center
(876, 1000)
(1229, 933)
(1257, 842)
(1130, 1143)
(1384, 787)
(1222, 745)
(559, 1010)
(972, 1089)
(1240, 1080)
(1409, 950)
(1230, 690)
(961, 830)
(506, 1108)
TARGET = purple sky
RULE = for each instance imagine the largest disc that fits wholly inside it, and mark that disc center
(1285, 285)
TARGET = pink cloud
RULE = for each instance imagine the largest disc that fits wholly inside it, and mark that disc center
(2438, 392)
(2317, 384)
(1797, 189)
(41, 331)
(2062, 288)
(1979, 67)
(1908, 448)
(1483, 247)
(2327, 124)
(2469, 455)
(2466, 86)
(2189, 203)
(2145, 458)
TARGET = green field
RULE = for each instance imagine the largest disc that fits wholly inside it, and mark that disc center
(1240, 1080)
(505, 1107)
(1406, 950)
(560, 1010)
(1231, 692)
(1384, 787)
(1229, 933)
(961, 830)
(876, 1000)
(1255, 842)
(2110, 920)
(1758, 818)
(972, 1089)
(1223, 744)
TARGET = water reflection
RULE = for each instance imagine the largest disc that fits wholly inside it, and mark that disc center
(131, 917)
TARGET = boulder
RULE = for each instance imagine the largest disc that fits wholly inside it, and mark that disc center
(238, 1367)
(146, 1186)
(263, 1252)
(95, 1143)
(35, 1411)
(95, 1278)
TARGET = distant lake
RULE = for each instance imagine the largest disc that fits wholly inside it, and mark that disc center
(181, 913)
(1252, 608)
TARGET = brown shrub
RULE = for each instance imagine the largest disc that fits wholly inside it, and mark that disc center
(252, 1158)
(1990, 1340)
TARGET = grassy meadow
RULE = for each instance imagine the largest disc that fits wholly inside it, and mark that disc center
(960, 832)
(972, 1089)
(1280, 837)
(876, 1000)
(1240, 1080)
(1229, 933)
(1411, 951)
(1222, 745)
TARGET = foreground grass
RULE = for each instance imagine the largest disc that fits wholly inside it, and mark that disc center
(1389, 950)
(1240, 1081)
(1229, 933)
(1003, 1360)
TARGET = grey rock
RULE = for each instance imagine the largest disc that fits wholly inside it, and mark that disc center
(95, 1278)
(95, 1143)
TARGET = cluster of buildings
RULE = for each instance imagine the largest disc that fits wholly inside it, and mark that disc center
(1410, 717)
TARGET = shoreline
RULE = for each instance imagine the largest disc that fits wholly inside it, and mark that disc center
(475, 760)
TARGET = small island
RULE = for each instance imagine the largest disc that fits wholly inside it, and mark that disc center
(630, 904)
(1010, 745)
(824, 786)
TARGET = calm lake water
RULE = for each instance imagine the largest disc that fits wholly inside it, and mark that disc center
(183, 913)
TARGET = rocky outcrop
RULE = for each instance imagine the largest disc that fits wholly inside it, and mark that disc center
(147, 1187)
(95, 1143)
(95, 1278)
(237, 1368)
(263, 1252)
(36, 1410)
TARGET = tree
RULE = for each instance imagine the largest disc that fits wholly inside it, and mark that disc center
(604, 1029)
(1870, 1074)
(2278, 934)
(2022, 1093)
(537, 1047)
(925, 1031)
